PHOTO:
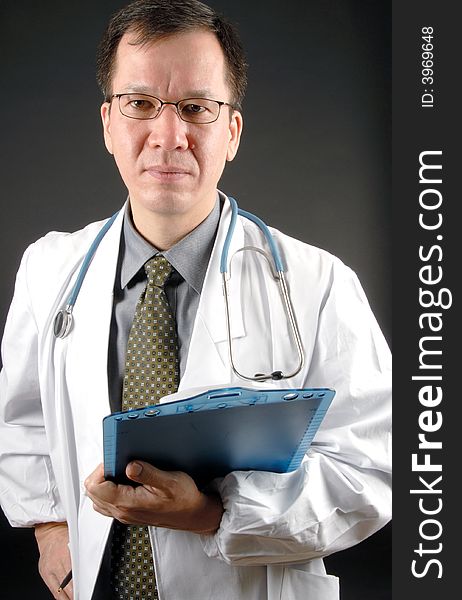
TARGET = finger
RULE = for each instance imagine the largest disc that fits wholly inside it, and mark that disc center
(102, 510)
(146, 474)
(102, 491)
(107, 511)
(64, 594)
(53, 587)
(96, 477)
(52, 581)
(58, 593)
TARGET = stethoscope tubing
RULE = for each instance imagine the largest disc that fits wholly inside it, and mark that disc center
(280, 278)
(235, 211)
(64, 319)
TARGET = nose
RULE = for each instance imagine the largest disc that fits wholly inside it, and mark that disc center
(168, 131)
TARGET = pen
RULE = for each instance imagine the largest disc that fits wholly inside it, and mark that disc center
(65, 581)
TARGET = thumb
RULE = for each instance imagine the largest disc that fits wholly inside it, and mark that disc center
(142, 472)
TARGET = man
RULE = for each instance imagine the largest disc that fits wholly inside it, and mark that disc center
(173, 77)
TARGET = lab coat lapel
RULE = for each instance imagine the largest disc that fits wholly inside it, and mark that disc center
(208, 359)
(88, 348)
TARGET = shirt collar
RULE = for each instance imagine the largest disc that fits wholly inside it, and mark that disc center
(189, 257)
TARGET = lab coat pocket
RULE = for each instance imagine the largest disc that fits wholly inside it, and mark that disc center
(302, 585)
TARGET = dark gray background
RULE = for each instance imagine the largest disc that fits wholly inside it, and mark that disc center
(314, 161)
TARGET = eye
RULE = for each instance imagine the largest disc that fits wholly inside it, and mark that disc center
(194, 109)
(140, 104)
(199, 110)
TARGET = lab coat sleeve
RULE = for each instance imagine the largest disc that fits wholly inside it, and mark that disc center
(341, 493)
(28, 491)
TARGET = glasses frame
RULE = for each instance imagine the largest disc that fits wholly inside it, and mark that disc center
(175, 104)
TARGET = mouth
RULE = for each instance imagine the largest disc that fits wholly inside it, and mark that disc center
(167, 174)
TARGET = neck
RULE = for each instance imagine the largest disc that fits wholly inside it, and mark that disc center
(164, 230)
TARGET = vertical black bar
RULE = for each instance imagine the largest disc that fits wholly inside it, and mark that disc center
(427, 323)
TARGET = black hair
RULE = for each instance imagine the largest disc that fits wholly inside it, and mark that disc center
(154, 19)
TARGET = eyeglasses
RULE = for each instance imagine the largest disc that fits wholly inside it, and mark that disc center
(191, 110)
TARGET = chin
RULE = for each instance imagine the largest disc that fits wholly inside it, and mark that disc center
(166, 203)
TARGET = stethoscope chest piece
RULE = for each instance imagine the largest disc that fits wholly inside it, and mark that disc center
(63, 322)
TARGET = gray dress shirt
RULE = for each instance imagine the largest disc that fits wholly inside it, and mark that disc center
(189, 258)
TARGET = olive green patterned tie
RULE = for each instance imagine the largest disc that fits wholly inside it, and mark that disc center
(151, 371)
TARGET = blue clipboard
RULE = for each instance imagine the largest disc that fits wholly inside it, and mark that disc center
(216, 432)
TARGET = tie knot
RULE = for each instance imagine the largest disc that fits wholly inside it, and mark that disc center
(158, 270)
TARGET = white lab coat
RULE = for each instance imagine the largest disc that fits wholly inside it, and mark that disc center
(276, 527)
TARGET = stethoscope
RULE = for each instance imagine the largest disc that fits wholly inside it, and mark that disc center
(64, 319)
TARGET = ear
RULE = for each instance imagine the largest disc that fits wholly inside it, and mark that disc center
(106, 119)
(235, 129)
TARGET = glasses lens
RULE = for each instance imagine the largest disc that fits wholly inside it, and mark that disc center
(139, 106)
(199, 110)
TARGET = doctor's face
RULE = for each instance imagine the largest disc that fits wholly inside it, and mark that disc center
(171, 167)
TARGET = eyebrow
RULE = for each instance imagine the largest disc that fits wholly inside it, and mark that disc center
(142, 89)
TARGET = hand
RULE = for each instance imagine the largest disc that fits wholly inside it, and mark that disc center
(165, 499)
(55, 559)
